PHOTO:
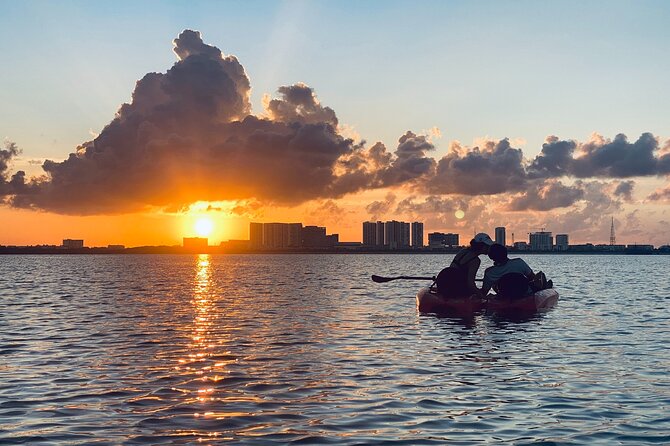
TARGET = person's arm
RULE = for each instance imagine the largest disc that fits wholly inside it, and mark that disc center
(473, 266)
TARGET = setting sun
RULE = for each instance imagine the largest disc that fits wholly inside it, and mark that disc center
(204, 227)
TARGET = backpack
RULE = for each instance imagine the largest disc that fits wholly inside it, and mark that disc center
(512, 285)
(451, 282)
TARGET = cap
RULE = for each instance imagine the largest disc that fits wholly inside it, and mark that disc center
(483, 238)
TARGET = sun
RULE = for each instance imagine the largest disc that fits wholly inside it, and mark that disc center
(459, 214)
(204, 227)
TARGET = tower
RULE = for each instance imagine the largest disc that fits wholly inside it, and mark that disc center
(612, 237)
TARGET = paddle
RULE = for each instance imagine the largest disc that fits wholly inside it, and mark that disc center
(380, 279)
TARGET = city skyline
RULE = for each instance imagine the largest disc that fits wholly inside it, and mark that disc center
(232, 115)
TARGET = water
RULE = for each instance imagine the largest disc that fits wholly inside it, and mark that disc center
(306, 349)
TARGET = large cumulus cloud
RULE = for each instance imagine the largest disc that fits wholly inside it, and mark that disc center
(189, 135)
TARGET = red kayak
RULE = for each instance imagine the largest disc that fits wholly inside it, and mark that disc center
(428, 301)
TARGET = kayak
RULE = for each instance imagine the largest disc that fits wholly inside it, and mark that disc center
(428, 301)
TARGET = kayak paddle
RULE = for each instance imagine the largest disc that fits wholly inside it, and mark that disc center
(380, 279)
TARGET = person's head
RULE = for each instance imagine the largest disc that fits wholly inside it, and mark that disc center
(498, 253)
(480, 243)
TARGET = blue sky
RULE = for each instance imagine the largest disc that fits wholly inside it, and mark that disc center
(522, 69)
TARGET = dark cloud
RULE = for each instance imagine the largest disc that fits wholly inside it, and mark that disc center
(187, 136)
(410, 162)
(492, 169)
(547, 195)
(299, 104)
(625, 190)
(601, 157)
(555, 159)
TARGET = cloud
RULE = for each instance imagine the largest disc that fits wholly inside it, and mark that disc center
(601, 157)
(495, 168)
(547, 195)
(625, 190)
(662, 194)
(377, 209)
(187, 136)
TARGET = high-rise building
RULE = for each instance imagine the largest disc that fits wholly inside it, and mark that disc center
(561, 242)
(438, 240)
(369, 233)
(72, 244)
(396, 234)
(541, 241)
(275, 235)
(500, 235)
(380, 234)
(314, 237)
(255, 235)
(295, 235)
(417, 234)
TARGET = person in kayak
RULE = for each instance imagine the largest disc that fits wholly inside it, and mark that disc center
(508, 277)
(458, 279)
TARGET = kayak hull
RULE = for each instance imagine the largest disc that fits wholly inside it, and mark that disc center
(431, 302)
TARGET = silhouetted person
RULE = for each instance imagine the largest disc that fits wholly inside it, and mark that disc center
(458, 279)
(508, 277)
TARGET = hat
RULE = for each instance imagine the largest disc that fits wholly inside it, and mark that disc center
(483, 238)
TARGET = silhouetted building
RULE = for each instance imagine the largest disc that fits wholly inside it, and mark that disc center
(195, 243)
(369, 233)
(417, 234)
(438, 240)
(521, 246)
(275, 235)
(314, 237)
(500, 235)
(294, 235)
(255, 235)
(562, 242)
(116, 247)
(541, 241)
(72, 244)
(235, 245)
(380, 234)
(396, 234)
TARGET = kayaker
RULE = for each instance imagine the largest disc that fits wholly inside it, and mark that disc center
(458, 279)
(508, 277)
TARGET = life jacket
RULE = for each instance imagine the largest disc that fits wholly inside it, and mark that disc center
(452, 281)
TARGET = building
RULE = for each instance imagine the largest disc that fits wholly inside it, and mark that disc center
(295, 235)
(521, 246)
(417, 235)
(500, 235)
(396, 234)
(195, 243)
(562, 242)
(116, 247)
(438, 240)
(541, 241)
(255, 235)
(72, 244)
(315, 237)
(370, 233)
(380, 234)
(275, 235)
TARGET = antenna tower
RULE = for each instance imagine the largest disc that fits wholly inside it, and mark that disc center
(612, 236)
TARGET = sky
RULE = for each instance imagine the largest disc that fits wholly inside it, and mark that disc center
(523, 114)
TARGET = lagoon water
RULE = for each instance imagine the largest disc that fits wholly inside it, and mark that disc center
(305, 349)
